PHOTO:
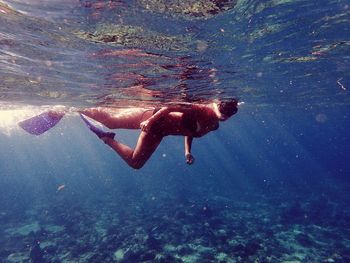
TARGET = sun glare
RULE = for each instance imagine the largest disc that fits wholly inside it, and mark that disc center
(10, 118)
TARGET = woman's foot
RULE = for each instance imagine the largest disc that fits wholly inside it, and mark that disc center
(100, 133)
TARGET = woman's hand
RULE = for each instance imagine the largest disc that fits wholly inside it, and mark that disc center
(144, 126)
(189, 158)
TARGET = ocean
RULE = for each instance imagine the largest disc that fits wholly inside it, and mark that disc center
(270, 185)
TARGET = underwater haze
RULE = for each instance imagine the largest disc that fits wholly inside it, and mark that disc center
(270, 185)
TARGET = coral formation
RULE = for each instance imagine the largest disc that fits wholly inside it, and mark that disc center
(169, 231)
(191, 8)
(135, 36)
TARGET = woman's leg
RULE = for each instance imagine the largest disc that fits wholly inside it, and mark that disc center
(127, 118)
(145, 147)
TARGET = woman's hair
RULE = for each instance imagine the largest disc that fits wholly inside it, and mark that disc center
(228, 107)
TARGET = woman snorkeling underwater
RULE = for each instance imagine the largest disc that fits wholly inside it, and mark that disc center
(189, 120)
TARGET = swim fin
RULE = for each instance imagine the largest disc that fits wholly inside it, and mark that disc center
(41, 123)
(100, 133)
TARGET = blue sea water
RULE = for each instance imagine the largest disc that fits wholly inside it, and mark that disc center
(270, 185)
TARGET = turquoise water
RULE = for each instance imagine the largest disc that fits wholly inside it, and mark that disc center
(271, 185)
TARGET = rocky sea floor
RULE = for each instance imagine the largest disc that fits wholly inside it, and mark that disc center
(164, 229)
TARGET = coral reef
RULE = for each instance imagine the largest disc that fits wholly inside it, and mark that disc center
(135, 36)
(191, 8)
(215, 230)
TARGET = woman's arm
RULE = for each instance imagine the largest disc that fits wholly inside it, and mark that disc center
(188, 145)
(148, 123)
(163, 112)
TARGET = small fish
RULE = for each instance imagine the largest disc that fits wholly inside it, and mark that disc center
(340, 84)
(61, 187)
